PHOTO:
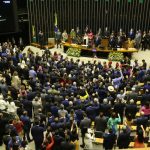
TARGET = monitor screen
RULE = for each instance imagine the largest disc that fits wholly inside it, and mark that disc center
(8, 16)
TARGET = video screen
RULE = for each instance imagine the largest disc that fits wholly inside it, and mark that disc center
(8, 16)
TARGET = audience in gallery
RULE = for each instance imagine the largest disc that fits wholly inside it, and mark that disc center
(61, 97)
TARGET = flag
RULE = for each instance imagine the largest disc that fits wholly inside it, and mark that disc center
(33, 31)
(55, 19)
(33, 34)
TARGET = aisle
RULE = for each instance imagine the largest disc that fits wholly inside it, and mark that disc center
(136, 56)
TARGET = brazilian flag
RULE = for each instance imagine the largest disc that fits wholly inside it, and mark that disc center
(33, 34)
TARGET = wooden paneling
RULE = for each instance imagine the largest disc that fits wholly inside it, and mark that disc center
(114, 14)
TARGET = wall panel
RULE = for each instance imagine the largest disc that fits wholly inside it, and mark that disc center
(114, 14)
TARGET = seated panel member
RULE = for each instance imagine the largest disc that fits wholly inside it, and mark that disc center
(97, 40)
(86, 39)
(112, 41)
(73, 36)
(64, 36)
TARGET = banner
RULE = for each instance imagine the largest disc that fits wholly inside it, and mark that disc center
(33, 30)
(55, 23)
(33, 34)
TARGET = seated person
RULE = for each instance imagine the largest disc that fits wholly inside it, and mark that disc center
(86, 39)
(64, 36)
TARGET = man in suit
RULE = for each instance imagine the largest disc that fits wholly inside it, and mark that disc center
(131, 109)
(79, 114)
(2, 127)
(100, 124)
(124, 138)
(38, 135)
(109, 140)
(27, 125)
(119, 107)
(131, 34)
(105, 107)
(145, 97)
(27, 105)
(41, 39)
(58, 38)
(148, 40)
(84, 125)
(142, 120)
(106, 32)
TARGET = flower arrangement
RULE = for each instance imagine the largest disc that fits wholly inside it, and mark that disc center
(75, 52)
(115, 56)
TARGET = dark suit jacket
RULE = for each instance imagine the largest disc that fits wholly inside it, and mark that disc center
(105, 108)
(100, 123)
(142, 121)
(119, 108)
(145, 98)
(31, 96)
(3, 123)
(28, 106)
(123, 140)
(67, 146)
(85, 124)
(109, 140)
(132, 109)
(37, 134)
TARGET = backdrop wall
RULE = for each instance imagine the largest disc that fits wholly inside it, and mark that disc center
(114, 14)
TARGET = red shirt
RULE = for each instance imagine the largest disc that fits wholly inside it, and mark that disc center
(49, 146)
(145, 110)
(18, 125)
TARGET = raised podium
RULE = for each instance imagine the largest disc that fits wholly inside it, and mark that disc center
(104, 43)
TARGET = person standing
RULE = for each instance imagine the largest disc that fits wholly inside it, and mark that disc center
(64, 36)
(41, 39)
(37, 133)
(73, 36)
(100, 124)
(148, 40)
(137, 39)
(144, 41)
(106, 33)
(113, 121)
(109, 140)
(48, 142)
(144, 64)
(37, 104)
(2, 126)
(131, 34)
(123, 140)
(26, 125)
(84, 125)
(16, 81)
(58, 38)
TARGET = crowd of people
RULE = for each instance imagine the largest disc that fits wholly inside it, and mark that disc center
(137, 39)
(60, 97)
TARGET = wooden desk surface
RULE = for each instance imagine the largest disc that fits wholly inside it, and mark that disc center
(45, 46)
(122, 50)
